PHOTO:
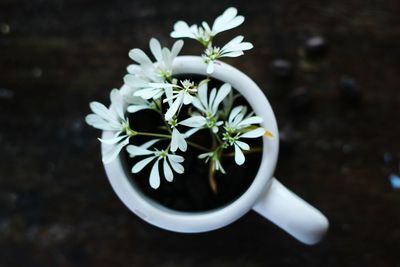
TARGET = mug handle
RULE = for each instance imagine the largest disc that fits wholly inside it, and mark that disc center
(291, 213)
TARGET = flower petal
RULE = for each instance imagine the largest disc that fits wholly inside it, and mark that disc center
(239, 156)
(222, 93)
(113, 140)
(102, 111)
(254, 133)
(176, 48)
(236, 44)
(155, 176)
(169, 176)
(149, 143)
(147, 93)
(238, 118)
(242, 145)
(197, 104)
(211, 98)
(134, 69)
(187, 99)
(166, 62)
(112, 154)
(218, 167)
(232, 54)
(210, 67)
(138, 151)
(227, 21)
(136, 108)
(232, 43)
(175, 158)
(177, 167)
(117, 103)
(205, 155)
(162, 85)
(251, 120)
(155, 49)
(202, 94)
(141, 164)
(235, 111)
(194, 121)
(206, 26)
(98, 122)
(178, 141)
(182, 30)
(174, 107)
(139, 56)
(174, 141)
(135, 82)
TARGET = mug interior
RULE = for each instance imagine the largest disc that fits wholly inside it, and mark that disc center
(183, 221)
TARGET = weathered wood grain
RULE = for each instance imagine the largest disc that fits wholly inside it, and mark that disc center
(56, 206)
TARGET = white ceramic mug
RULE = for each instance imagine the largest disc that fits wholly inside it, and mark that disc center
(266, 195)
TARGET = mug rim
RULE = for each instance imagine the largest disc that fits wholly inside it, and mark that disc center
(200, 221)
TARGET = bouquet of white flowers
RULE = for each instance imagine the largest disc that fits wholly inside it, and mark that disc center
(186, 107)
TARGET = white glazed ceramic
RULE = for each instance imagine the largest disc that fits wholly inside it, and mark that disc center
(266, 195)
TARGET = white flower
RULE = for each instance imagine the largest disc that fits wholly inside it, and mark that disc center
(164, 56)
(208, 106)
(204, 34)
(238, 121)
(183, 30)
(214, 156)
(169, 160)
(161, 69)
(143, 76)
(238, 126)
(111, 119)
(233, 48)
(177, 139)
(181, 95)
(228, 20)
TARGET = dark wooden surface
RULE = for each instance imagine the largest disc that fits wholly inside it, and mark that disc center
(56, 206)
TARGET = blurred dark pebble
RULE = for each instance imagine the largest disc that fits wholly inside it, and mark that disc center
(316, 48)
(282, 69)
(387, 158)
(300, 101)
(349, 90)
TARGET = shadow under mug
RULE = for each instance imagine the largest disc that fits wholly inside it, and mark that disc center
(266, 195)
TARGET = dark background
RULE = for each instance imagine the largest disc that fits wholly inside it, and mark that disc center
(340, 135)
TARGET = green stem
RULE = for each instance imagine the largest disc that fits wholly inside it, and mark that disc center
(198, 146)
(166, 136)
(159, 111)
(215, 138)
(211, 177)
(251, 151)
(211, 167)
(218, 138)
(154, 135)
(166, 124)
